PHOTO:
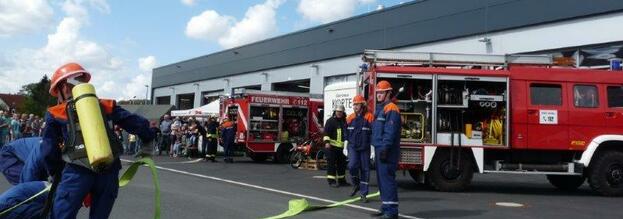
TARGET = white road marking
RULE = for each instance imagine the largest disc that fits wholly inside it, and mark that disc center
(270, 189)
(509, 204)
(180, 162)
(319, 177)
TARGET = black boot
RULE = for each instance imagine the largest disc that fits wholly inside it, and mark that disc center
(389, 216)
(377, 214)
(364, 199)
(355, 190)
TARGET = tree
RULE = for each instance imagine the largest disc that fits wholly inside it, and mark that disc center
(37, 97)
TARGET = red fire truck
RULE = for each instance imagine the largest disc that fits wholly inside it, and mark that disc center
(270, 123)
(514, 114)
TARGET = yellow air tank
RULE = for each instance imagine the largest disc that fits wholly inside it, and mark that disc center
(92, 126)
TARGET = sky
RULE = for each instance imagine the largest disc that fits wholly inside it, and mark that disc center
(120, 42)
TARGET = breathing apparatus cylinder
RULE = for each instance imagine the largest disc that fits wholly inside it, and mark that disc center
(92, 126)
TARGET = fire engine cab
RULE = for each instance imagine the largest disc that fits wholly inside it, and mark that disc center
(270, 123)
(514, 114)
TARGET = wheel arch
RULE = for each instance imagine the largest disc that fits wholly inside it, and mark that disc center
(475, 154)
(600, 144)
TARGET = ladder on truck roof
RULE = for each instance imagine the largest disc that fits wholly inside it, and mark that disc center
(390, 57)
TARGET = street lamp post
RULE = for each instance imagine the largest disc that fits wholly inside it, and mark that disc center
(146, 93)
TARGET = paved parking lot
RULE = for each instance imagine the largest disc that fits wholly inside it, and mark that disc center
(251, 190)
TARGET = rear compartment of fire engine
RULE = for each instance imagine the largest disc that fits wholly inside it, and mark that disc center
(285, 124)
(474, 112)
(450, 111)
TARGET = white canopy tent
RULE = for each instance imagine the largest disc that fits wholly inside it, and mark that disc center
(211, 109)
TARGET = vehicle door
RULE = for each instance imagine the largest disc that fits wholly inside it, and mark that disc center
(547, 115)
(586, 114)
(614, 109)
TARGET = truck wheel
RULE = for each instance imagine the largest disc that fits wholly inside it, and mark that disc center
(567, 183)
(445, 178)
(283, 153)
(606, 174)
(258, 157)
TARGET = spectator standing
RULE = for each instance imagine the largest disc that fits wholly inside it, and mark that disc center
(26, 125)
(165, 128)
(4, 128)
(36, 126)
(132, 144)
(15, 127)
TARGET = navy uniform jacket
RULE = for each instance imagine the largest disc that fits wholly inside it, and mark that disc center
(386, 130)
(359, 131)
(55, 132)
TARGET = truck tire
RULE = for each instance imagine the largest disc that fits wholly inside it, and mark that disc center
(606, 174)
(566, 183)
(440, 175)
(258, 157)
(283, 154)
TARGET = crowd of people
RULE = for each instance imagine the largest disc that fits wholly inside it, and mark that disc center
(188, 137)
(177, 137)
(14, 126)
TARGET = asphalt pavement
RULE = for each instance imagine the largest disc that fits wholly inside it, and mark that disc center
(244, 189)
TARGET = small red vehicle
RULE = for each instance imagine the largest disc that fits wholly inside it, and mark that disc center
(269, 124)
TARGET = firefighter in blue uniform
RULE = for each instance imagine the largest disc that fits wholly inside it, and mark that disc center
(386, 142)
(19, 164)
(228, 136)
(358, 137)
(63, 153)
(19, 161)
(19, 193)
(335, 135)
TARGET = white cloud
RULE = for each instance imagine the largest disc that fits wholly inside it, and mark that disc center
(188, 2)
(258, 23)
(326, 11)
(146, 64)
(78, 9)
(111, 75)
(136, 87)
(20, 16)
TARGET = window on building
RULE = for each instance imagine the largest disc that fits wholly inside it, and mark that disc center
(546, 94)
(185, 101)
(615, 96)
(210, 96)
(585, 96)
(166, 100)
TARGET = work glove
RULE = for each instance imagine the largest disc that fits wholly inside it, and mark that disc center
(383, 155)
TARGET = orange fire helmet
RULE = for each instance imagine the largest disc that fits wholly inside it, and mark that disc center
(69, 70)
(383, 86)
(359, 99)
